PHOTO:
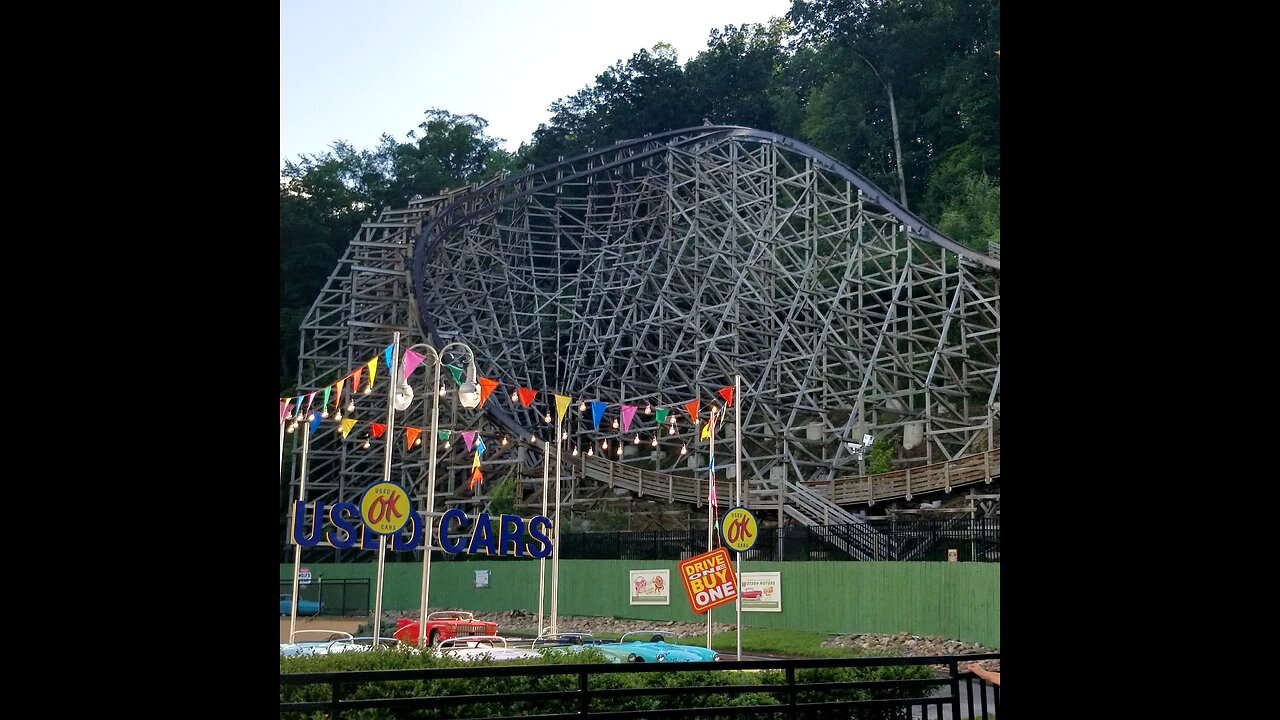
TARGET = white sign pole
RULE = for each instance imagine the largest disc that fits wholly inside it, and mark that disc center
(297, 549)
(542, 561)
(737, 489)
(386, 477)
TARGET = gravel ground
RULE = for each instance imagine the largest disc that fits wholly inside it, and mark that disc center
(524, 622)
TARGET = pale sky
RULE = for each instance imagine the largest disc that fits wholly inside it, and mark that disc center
(352, 70)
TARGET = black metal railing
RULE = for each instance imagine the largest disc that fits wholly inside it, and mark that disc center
(337, 596)
(924, 539)
(800, 692)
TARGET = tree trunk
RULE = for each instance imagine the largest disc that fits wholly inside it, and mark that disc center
(897, 147)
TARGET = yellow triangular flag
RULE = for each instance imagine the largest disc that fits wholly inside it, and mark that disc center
(475, 460)
(706, 431)
(373, 369)
(346, 425)
(562, 404)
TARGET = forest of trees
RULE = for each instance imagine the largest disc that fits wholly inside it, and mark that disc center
(905, 92)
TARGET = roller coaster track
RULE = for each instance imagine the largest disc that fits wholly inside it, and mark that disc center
(655, 270)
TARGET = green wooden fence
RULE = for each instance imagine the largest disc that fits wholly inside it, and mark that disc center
(959, 601)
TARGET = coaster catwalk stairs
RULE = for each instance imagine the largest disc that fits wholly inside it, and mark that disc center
(654, 271)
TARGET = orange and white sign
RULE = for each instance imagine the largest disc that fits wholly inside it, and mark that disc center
(709, 580)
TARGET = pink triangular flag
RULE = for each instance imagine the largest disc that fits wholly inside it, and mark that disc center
(411, 361)
(468, 437)
(284, 408)
(628, 411)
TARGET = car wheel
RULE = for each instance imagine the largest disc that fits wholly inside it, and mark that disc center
(434, 639)
(632, 657)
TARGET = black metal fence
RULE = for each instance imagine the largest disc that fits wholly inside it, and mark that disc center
(804, 690)
(924, 539)
(337, 596)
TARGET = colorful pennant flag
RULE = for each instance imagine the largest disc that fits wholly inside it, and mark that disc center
(373, 370)
(324, 404)
(468, 436)
(337, 402)
(355, 382)
(475, 472)
(691, 407)
(597, 412)
(410, 434)
(443, 434)
(457, 373)
(706, 432)
(411, 362)
(386, 354)
(310, 398)
(661, 414)
(377, 429)
(727, 394)
(526, 395)
(562, 404)
(628, 412)
(345, 426)
(284, 408)
(486, 387)
(315, 421)
(480, 448)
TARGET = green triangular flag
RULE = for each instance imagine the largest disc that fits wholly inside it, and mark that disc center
(443, 434)
(457, 373)
(661, 413)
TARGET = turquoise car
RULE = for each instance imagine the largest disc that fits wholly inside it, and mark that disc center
(655, 646)
(305, 607)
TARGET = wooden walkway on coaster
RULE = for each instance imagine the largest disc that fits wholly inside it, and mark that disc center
(867, 489)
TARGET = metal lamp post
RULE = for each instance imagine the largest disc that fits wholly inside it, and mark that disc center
(469, 397)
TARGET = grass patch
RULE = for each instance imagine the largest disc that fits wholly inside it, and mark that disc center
(771, 641)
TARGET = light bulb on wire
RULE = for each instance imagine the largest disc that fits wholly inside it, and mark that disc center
(655, 441)
(417, 442)
(615, 423)
(619, 449)
(673, 430)
(337, 416)
(684, 449)
(441, 391)
(325, 414)
(504, 439)
(575, 451)
(591, 451)
(604, 444)
(291, 426)
(636, 440)
(648, 409)
(547, 418)
(582, 406)
(351, 405)
(366, 442)
(564, 435)
(368, 389)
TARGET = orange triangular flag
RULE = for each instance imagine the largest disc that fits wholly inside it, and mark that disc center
(378, 429)
(355, 383)
(691, 407)
(562, 404)
(486, 387)
(345, 426)
(727, 394)
(526, 395)
(410, 434)
(475, 478)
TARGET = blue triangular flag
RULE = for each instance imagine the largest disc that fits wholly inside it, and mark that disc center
(597, 412)
(479, 444)
(315, 421)
(387, 354)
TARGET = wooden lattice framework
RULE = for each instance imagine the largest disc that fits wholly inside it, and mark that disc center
(653, 272)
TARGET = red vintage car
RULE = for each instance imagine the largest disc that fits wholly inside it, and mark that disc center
(751, 594)
(443, 625)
